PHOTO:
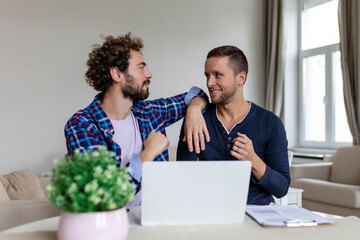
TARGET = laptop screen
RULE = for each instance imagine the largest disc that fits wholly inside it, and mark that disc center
(192, 192)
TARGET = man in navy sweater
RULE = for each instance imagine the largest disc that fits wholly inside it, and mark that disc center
(241, 130)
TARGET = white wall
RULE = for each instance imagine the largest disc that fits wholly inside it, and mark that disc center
(44, 46)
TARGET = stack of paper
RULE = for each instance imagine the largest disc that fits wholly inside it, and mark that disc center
(290, 216)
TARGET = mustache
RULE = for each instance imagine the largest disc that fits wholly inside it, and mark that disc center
(214, 88)
(146, 82)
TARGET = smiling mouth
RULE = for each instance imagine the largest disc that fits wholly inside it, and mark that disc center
(215, 91)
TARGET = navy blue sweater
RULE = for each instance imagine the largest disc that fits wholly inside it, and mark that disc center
(267, 133)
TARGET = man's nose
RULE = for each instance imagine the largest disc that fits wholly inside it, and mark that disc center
(148, 74)
(210, 81)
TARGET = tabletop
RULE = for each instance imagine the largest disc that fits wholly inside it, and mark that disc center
(343, 228)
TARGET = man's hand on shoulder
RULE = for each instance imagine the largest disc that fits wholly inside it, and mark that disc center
(195, 130)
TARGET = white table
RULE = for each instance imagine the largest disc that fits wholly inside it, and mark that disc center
(344, 228)
(51, 224)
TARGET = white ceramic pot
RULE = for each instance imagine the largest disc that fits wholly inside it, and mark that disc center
(108, 225)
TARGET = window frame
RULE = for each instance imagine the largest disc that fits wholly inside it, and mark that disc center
(328, 51)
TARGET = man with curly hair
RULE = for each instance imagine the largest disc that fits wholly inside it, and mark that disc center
(120, 119)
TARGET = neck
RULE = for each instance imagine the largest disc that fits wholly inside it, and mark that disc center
(233, 112)
(115, 105)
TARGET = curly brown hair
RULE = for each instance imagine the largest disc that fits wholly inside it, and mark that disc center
(115, 52)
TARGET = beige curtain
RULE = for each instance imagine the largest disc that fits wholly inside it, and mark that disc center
(275, 56)
(349, 26)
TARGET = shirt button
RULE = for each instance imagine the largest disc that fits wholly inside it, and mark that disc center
(228, 145)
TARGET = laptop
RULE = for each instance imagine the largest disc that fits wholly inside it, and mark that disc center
(194, 192)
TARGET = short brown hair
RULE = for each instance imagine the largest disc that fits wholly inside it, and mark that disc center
(237, 59)
(115, 52)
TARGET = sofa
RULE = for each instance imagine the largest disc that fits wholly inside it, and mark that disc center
(22, 199)
(331, 187)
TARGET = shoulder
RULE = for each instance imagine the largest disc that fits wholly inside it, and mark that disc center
(265, 114)
(267, 120)
(86, 117)
(80, 119)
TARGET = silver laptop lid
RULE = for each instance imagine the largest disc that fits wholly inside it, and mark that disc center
(192, 192)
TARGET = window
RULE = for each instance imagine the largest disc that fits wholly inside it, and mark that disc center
(323, 121)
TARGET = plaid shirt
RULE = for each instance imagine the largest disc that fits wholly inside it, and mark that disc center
(89, 128)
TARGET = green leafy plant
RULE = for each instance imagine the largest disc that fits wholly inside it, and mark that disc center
(90, 182)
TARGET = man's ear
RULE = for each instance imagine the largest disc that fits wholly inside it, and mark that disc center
(116, 75)
(241, 77)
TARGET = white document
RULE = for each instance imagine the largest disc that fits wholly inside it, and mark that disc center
(288, 216)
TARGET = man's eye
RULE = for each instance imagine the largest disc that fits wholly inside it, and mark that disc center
(217, 74)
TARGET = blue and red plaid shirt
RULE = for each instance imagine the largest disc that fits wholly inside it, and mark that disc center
(90, 128)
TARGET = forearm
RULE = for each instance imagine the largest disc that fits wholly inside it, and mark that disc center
(154, 145)
(275, 183)
(174, 108)
(258, 167)
(276, 179)
(197, 104)
(147, 155)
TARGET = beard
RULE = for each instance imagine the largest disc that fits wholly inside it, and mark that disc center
(133, 92)
(226, 96)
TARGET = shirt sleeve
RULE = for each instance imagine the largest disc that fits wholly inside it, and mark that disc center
(183, 153)
(80, 137)
(276, 179)
(193, 92)
(174, 108)
(135, 167)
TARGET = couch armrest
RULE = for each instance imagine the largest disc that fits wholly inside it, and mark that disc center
(311, 170)
(18, 212)
(328, 192)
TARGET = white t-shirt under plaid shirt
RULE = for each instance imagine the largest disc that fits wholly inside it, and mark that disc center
(127, 136)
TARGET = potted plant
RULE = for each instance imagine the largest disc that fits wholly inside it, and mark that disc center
(91, 191)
